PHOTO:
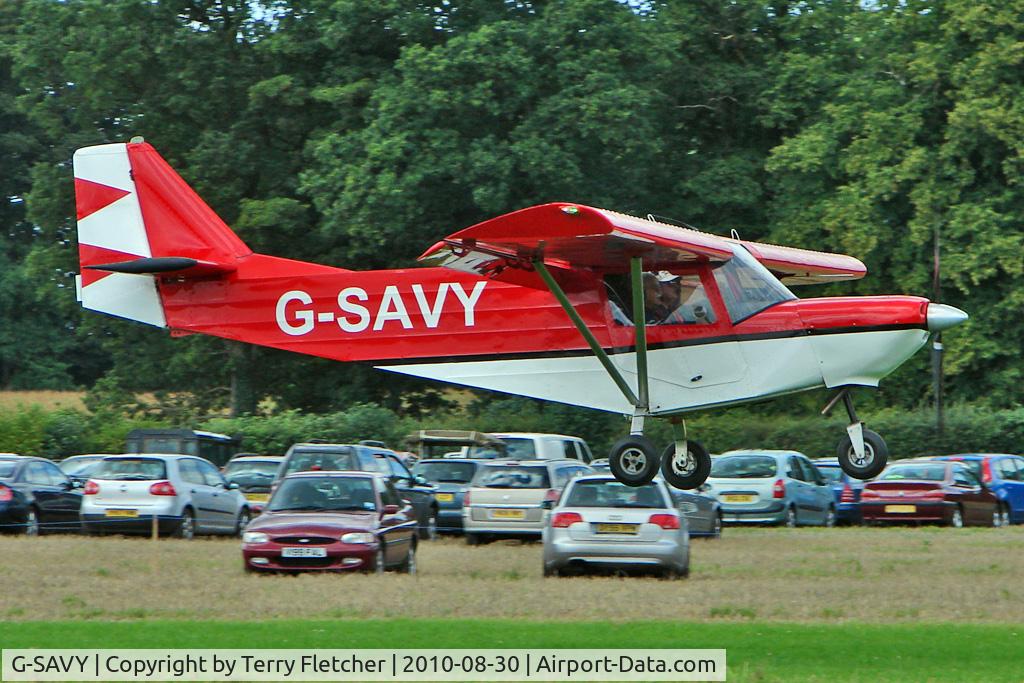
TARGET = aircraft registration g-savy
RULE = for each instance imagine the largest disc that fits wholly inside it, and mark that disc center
(562, 302)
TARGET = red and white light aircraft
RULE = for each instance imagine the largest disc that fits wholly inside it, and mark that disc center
(547, 302)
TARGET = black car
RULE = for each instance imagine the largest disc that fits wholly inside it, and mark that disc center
(304, 457)
(36, 496)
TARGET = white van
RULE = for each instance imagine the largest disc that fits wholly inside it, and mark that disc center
(530, 446)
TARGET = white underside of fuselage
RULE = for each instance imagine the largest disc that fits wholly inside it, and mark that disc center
(686, 378)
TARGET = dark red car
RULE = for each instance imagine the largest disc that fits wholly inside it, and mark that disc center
(340, 521)
(929, 491)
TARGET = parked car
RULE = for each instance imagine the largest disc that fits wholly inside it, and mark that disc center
(254, 474)
(450, 478)
(511, 497)
(78, 467)
(36, 496)
(771, 487)
(1004, 475)
(185, 494)
(846, 490)
(527, 445)
(341, 521)
(703, 512)
(601, 522)
(302, 457)
(925, 490)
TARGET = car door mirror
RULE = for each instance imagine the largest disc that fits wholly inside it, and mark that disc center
(233, 486)
(421, 480)
(390, 509)
(74, 484)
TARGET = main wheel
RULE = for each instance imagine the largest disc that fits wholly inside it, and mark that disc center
(633, 460)
(686, 470)
(876, 454)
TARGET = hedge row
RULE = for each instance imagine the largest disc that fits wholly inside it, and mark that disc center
(66, 432)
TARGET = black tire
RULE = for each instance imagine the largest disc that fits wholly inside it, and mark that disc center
(790, 521)
(409, 565)
(956, 520)
(242, 522)
(472, 539)
(876, 455)
(717, 529)
(550, 571)
(634, 460)
(688, 472)
(187, 527)
(428, 532)
(830, 517)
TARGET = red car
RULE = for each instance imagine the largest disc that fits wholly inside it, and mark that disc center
(340, 521)
(929, 491)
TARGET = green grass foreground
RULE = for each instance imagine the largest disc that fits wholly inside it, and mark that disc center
(756, 651)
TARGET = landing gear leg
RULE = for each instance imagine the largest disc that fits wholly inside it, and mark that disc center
(862, 453)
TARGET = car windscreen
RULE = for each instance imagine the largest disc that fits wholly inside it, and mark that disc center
(7, 469)
(833, 475)
(609, 493)
(251, 472)
(78, 465)
(927, 472)
(131, 469)
(512, 477)
(324, 494)
(303, 461)
(446, 472)
(519, 449)
(744, 467)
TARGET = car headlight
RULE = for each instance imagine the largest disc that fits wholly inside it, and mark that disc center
(359, 537)
(254, 537)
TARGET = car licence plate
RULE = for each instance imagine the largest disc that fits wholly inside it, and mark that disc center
(303, 552)
(122, 513)
(257, 497)
(901, 508)
(738, 498)
(616, 528)
(508, 514)
(445, 497)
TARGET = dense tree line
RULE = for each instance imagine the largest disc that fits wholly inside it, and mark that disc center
(356, 133)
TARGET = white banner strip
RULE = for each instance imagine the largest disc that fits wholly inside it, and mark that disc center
(363, 665)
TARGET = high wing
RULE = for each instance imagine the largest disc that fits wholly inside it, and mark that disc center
(570, 236)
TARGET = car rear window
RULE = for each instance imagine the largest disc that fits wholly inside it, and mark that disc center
(832, 474)
(303, 461)
(744, 467)
(79, 466)
(612, 494)
(512, 477)
(934, 472)
(520, 449)
(446, 472)
(131, 469)
(251, 472)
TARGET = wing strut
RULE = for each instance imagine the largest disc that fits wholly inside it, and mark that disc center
(641, 402)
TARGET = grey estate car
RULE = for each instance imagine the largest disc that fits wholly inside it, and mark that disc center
(771, 487)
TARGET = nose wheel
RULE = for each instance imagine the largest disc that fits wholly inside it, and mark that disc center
(862, 453)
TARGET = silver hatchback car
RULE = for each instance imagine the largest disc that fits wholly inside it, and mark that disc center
(601, 523)
(771, 487)
(185, 495)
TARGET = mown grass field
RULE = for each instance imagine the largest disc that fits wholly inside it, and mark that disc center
(847, 604)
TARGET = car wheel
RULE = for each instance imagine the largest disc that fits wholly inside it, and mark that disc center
(634, 460)
(1006, 515)
(32, 522)
(409, 566)
(716, 529)
(876, 454)
(830, 518)
(428, 531)
(997, 517)
(243, 521)
(187, 527)
(687, 470)
(549, 571)
(378, 562)
(790, 520)
(956, 520)
(675, 573)
(472, 539)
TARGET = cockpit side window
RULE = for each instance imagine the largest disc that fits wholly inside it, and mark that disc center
(747, 287)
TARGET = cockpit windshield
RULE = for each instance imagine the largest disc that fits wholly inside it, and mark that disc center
(746, 286)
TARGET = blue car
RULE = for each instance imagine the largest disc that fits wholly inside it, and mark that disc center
(451, 477)
(845, 489)
(1003, 474)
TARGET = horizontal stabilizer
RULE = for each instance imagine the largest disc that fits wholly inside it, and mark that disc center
(178, 266)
